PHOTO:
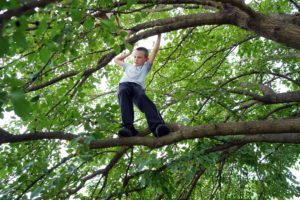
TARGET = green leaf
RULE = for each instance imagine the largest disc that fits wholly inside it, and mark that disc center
(117, 49)
(57, 37)
(128, 46)
(76, 14)
(45, 54)
(137, 18)
(108, 25)
(21, 106)
(144, 14)
(89, 23)
(4, 46)
(43, 24)
(20, 39)
(123, 33)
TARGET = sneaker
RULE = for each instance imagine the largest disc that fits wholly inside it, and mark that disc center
(127, 132)
(161, 130)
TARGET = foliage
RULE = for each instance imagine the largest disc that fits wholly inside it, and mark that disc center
(46, 58)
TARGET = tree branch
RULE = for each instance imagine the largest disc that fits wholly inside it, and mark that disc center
(103, 171)
(26, 7)
(274, 98)
(295, 4)
(180, 133)
(52, 81)
(242, 6)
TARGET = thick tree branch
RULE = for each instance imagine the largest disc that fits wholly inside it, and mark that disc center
(274, 98)
(267, 26)
(242, 6)
(181, 22)
(244, 17)
(172, 2)
(180, 133)
(19, 11)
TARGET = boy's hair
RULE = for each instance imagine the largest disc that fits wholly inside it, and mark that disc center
(146, 52)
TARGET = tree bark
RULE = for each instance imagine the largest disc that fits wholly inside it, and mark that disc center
(269, 27)
(180, 133)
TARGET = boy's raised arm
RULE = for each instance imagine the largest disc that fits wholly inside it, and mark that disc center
(155, 50)
(120, 59)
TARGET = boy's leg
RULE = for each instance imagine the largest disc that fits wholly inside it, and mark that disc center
(125, 101)
(153, 117)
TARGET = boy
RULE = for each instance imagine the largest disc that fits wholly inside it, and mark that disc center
(131, 91)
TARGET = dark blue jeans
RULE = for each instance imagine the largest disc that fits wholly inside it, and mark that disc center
(131, 93)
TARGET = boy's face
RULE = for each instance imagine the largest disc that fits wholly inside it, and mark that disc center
(139, 58)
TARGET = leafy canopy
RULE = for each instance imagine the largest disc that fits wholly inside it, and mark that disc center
(57, 76)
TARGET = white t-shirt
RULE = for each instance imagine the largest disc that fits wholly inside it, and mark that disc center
(136, 74)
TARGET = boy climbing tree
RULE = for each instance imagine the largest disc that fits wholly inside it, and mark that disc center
(131, 91)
